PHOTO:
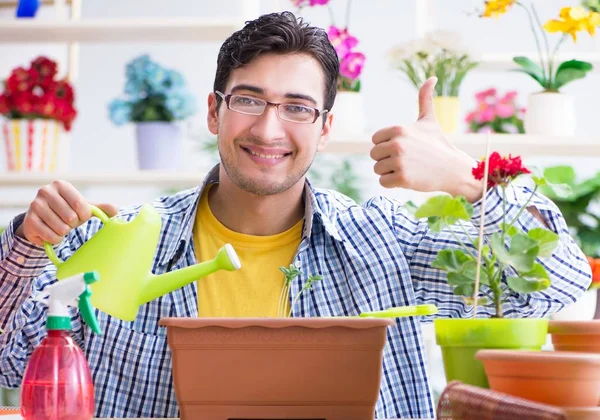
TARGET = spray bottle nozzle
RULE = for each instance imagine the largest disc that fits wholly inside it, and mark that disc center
(65, 291)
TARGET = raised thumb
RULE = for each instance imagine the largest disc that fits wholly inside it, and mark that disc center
(426, 99)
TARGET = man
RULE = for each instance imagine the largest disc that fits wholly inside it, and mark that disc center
(275, 82)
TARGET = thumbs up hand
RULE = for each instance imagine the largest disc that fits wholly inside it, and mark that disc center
(419, 157)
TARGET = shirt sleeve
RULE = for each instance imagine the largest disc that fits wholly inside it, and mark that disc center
(568, 269)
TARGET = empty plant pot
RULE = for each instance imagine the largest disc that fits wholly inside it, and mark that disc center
(580, 336)
(564, 379)
(306, 368)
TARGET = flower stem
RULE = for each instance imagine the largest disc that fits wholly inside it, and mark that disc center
(523, 207)
(331, 16)
(298, 297)
(465, 232)
(539, 22)
(537, 43)
(553, 58)
(458, 239)
(495, 285)
(503, 213)
(348, 7)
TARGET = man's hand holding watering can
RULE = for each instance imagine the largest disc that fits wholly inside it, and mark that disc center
(57, 208)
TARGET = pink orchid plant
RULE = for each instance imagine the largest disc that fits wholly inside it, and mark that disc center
(496, 114)
(351, 61)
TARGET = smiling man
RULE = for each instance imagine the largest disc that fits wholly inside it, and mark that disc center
(270, 109)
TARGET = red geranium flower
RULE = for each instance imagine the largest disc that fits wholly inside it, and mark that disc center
(34, 93)
(4, 104)
(501, 170)
(45, 70)
(20, 80)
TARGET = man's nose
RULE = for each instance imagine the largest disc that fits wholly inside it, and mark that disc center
(268, 126)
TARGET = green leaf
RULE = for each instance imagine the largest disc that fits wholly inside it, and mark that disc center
(452, 260)
(464, 290)
(458, 279)
(561, 191)
(521, 254)
(567, 75)
(538, 272)
(546, 239)
(531, 69)
(561, 174)
(436, 224)
(575, 64)
(523, 285)
(512, 231)
(446, 207)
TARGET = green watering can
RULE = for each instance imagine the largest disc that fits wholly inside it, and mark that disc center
(122, 253)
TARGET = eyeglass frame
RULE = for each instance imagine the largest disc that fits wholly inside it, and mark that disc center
(227, 98)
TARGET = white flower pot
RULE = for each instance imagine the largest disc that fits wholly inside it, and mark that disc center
(550, 113)
(37, 145)
(349, 123)
(582, 310)
(159, 145)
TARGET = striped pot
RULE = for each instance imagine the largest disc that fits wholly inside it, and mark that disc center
(32, 145)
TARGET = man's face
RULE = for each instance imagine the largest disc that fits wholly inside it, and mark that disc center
(263, 154)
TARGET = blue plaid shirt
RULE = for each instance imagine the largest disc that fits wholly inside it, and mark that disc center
(372, 257)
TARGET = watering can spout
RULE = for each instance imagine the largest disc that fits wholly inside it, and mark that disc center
(157, 286)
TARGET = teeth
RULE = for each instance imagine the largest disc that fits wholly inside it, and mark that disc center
(266, 156)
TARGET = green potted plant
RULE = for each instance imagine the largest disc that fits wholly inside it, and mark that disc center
(440, 54)
(477, 273)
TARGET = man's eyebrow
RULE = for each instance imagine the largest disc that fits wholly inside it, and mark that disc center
(251, 88)
(261, 91)
(301, 96)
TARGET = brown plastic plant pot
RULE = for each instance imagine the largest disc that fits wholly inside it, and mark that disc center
(564, 379)
(580, 336)
(275, 368)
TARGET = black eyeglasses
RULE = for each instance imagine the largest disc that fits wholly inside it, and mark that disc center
(295, 113)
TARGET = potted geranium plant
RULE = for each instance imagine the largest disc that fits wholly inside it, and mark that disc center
(496, 114)
(550, 111)
(440, 54)
(480, 276)
(348, 111)
(38, 108)
(156, 100)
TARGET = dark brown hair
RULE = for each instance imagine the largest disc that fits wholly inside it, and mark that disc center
(279, 33)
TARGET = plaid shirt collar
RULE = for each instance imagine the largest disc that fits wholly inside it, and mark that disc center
(189, 204)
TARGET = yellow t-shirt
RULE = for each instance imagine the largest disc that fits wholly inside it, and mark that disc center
(254, 290)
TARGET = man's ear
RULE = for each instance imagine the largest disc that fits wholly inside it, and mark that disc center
(212, 116)
(325, 132)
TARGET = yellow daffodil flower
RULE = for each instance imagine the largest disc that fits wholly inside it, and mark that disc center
(495, 8)
(572, 20)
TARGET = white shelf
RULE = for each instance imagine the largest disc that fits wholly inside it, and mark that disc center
(503, 62)
(475, 144)
(141, 178)
(117, 30)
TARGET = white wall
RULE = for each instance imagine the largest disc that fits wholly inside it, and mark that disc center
(99, 146)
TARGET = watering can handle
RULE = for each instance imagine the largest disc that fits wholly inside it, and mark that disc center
(50, 248)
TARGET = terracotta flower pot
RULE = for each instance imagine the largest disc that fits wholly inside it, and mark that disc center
(226, 368)
(580, 336)
(564, 379)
